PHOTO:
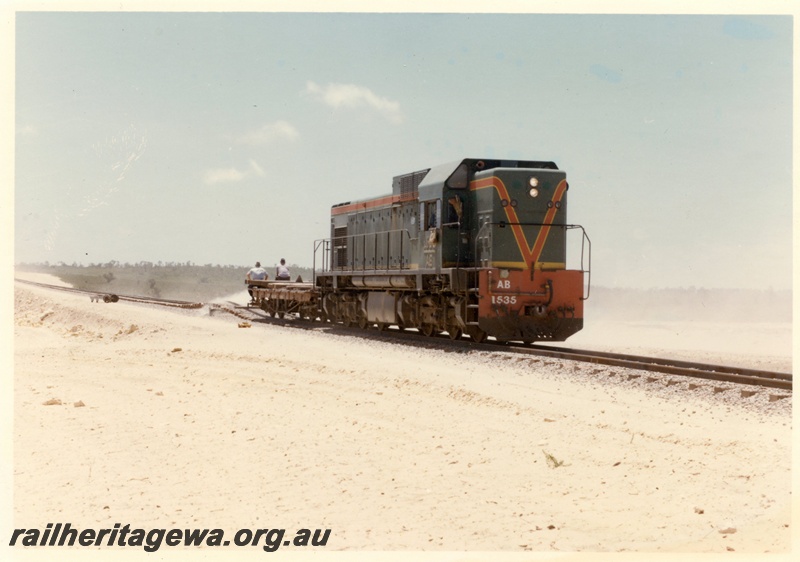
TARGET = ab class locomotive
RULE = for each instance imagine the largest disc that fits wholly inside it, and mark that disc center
(476, 247)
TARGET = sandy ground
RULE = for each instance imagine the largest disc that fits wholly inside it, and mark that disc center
(162, 418)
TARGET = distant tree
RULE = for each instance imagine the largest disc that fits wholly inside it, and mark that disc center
(153, 289)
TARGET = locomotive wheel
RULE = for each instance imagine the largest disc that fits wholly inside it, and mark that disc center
(362, 322)
(427, 329)
(478, 335)
(382, 326)
(454, 333)
(280, 315)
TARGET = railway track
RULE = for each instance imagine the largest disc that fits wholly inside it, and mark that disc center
(719, 373)
(690, 369)
(113, 297)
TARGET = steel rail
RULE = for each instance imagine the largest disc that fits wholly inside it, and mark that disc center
(674, 363)
(130, 298)
(722, 373)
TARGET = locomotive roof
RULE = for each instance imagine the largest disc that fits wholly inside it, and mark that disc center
(432, 182)
(435, 178)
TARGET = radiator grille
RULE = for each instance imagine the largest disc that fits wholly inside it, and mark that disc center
(340, 247)
(406, 186)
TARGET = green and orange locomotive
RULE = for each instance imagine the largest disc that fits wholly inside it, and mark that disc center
(475, 247)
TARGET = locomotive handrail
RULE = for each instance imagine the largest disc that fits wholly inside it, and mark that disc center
(327, 244)
(349, 242)
(586, 245)
(584, 240)
(314, 260)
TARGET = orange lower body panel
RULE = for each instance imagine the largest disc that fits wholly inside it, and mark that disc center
(530, 305)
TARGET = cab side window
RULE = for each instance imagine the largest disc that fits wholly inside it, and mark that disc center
(431, 218)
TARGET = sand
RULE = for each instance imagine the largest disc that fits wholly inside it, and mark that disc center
(126, 413)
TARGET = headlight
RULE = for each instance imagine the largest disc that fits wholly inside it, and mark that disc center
(534, 182)
(534, 192)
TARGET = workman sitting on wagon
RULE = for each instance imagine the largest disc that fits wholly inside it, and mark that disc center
(258, 273)
(282, 272)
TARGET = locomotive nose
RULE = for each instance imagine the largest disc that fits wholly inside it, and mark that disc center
(522, 218)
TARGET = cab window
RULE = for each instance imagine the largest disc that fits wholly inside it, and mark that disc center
(430, 213)
(458, 179)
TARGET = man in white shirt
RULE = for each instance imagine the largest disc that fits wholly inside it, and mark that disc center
(282, 273)
(258, 273)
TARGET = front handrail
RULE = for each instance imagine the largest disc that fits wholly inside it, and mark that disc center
(586, 245)
(588, 252)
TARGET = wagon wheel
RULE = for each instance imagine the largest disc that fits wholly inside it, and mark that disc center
(427, 329)
(362, 322)
(382, 326)
(280, 314)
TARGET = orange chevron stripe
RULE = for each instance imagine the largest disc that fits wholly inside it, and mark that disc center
(538, 246)
(530, 254)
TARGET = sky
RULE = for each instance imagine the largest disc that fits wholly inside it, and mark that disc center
(226, 137)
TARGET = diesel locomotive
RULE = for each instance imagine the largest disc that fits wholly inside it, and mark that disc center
(476, 247)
